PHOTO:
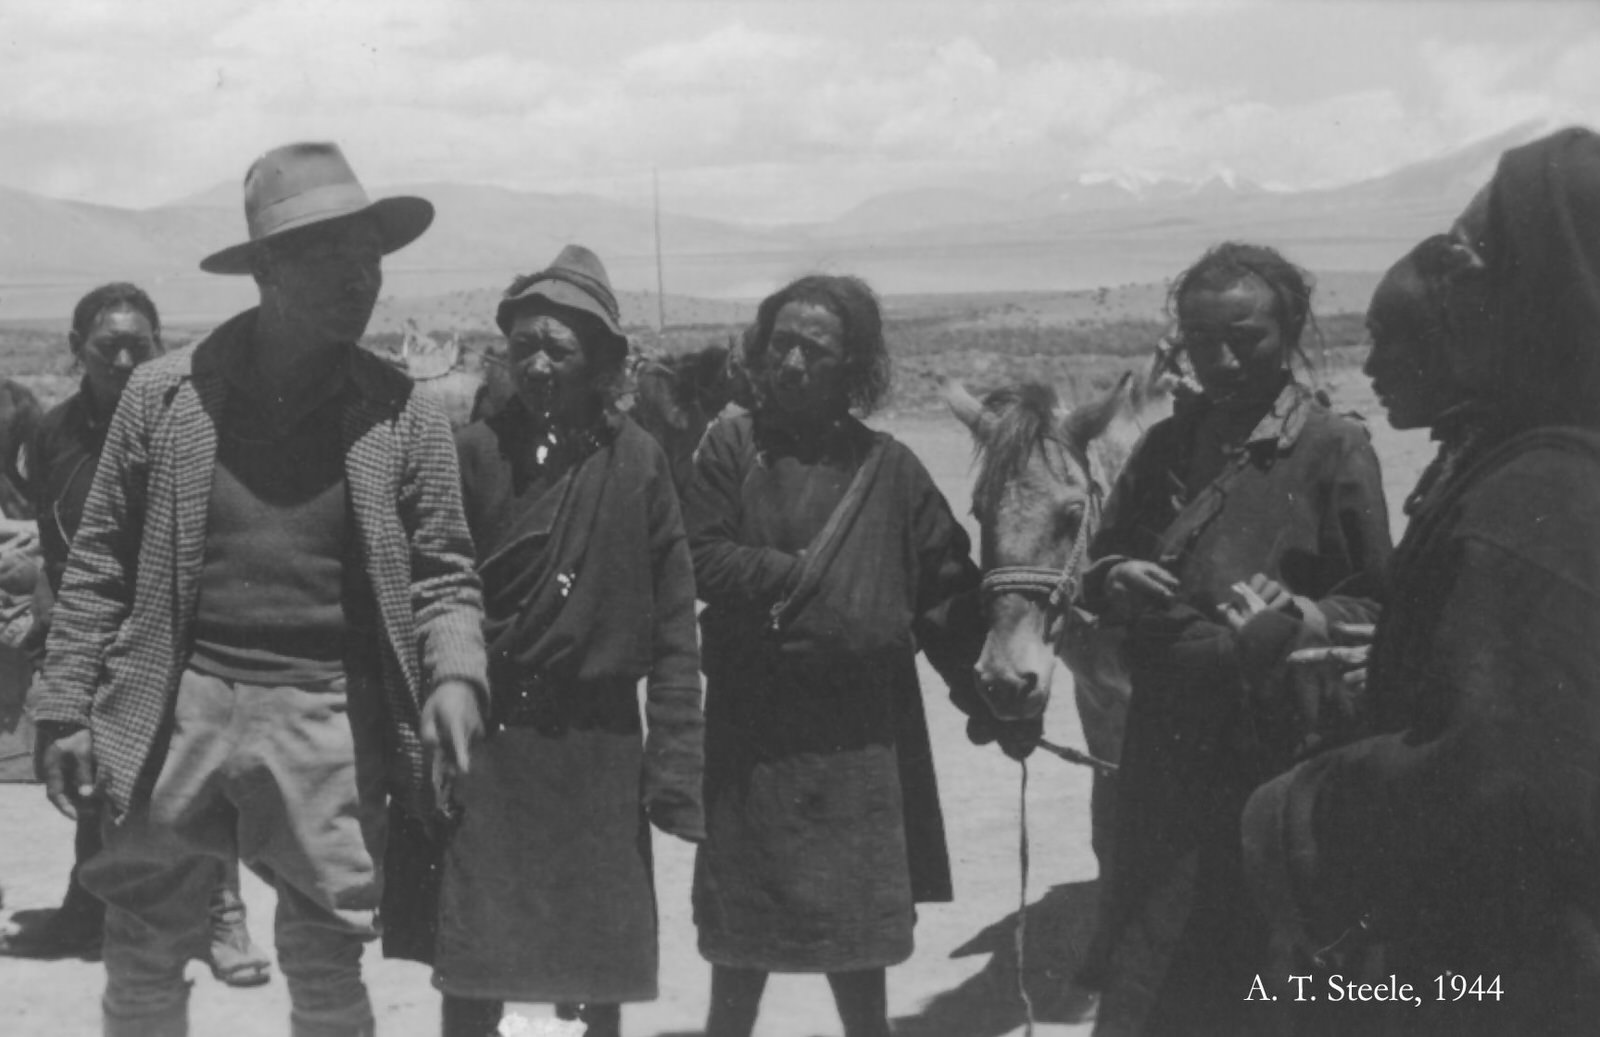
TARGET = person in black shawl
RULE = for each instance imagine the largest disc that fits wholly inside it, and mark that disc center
(1459, 848)
(548, 892)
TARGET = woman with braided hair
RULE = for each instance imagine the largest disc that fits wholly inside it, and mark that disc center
(1251, 521)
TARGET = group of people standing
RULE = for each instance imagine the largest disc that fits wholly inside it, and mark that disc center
(396, 672)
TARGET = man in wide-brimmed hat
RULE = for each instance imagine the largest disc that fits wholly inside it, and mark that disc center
(269, 609)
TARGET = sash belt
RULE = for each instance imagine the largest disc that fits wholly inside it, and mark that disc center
(525, 699)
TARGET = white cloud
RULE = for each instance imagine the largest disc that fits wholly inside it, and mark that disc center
(1480, 89)
(137, 103)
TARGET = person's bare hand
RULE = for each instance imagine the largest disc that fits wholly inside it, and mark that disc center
(1250, 603)
(1260, 593)
(1275, 594)
(451, 722)
(69, 773)
(1348, 660)
(1136, 584)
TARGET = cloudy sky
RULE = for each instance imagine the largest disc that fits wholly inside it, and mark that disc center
(770, 111)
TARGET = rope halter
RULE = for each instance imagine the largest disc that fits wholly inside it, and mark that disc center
(1058, 587)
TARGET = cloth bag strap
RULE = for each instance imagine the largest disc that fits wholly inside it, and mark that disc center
(824, 548)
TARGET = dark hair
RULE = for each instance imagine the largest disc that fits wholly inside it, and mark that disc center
(866, 355)
(1435, 261)
(1225, 265)
(113, 296)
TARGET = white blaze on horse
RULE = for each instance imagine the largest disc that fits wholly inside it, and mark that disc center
(1043, 473)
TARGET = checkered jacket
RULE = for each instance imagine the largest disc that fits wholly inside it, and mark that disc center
(121, 633)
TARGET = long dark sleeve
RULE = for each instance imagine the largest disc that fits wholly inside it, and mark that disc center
(674, 760)
(1133, 514)
(1490, 800)
(948, 624)
(1355, 540)
(1480, 812)
(726, 572)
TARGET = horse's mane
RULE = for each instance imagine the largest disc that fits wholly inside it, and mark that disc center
(1024, 418)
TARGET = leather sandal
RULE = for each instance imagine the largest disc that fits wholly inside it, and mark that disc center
(235, 965)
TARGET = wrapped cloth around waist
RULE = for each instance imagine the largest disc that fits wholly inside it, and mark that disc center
(779, 704)
(553, 706)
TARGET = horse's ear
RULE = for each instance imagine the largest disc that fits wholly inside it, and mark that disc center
(1086, 423)
(964, 405)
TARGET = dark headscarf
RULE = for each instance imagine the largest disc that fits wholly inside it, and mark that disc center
(1542, 248)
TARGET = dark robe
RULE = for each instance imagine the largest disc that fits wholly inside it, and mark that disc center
(823, 819)
(548, 892)
(1469, 833)
(1466, 831)
(1293, 491)
(61, 460)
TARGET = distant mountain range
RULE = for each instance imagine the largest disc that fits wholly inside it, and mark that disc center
(924, 209)
(1079, 234)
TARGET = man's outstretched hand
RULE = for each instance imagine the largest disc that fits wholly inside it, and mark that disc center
(68, 767)
(451, 722)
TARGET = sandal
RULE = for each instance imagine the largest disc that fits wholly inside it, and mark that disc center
(237, 961)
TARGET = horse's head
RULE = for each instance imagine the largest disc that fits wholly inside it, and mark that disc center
(1037, 499)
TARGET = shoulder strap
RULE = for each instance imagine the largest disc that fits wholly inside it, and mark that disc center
(824, 548)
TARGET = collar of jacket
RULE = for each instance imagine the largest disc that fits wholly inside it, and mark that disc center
(1282, 424)
(92, 419)
(1278, 428)
(221, 352)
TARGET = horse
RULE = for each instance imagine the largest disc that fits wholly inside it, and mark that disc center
(1042, 477)
(677, 395)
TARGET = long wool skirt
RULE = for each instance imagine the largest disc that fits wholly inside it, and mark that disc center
(804, 866)
(823, 828)
(547, 890)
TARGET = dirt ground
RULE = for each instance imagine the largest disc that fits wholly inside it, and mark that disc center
(961, 982)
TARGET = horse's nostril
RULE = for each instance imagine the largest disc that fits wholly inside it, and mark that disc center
(1008, 690)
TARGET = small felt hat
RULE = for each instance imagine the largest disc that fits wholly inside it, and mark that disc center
(299, 185)
(575, 280)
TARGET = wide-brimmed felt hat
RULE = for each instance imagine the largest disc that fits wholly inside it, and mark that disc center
(299, 185)
(575, 280)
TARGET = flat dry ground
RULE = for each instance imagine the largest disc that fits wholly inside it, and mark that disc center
(960, 983)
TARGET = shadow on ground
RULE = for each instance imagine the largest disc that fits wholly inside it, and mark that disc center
(1060, 925)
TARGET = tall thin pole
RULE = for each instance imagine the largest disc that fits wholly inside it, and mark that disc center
(661, 291)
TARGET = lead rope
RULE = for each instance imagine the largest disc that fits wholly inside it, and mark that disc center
(1022, 904)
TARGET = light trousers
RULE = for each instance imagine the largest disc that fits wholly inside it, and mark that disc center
(289, 779)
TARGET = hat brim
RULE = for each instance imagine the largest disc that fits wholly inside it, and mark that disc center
(401, 220)
(559, 294)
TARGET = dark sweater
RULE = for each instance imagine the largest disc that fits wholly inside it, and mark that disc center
(278, 534)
